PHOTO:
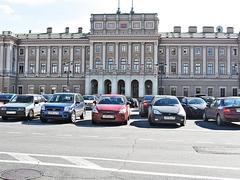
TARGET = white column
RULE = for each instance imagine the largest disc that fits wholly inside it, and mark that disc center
(192, 61)
(116, 55)
(216, 61)
(100, 85)
(228, 60)
(87, 85)
(83, 59)
(155, 86)
(48, 60)
(167, 60)
(91, 56)
(16, 59)
(8, 59)
(155, 53)
(59, 60)
(128, 86)
(142, 53)
(179, 60)
(141, 85)
(114, 85)
(1, 58)
(204, 60)
(71, 60)
(104, 55)
(37, 60)
(26, 61)
(129, 58)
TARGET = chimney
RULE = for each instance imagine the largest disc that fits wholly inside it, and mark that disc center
(49, 30)
(30, 31)
(67, 30)
(192, 29)
(230, 30)
(80, 30)
(208, 29)
(177, 29)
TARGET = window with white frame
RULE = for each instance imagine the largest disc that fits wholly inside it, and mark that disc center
(185, 91)
(135, 65)
(110, 64)
(222, 92)
(123, 48)
(149, 65)
(185, 68)
(21, 51)
(77, 68)
(185, 51)
(54, 68)
(32, 51)
(210, 68)
(97, 48)
(173, 91)
(234, 52)
(210, 91)
(111, 25)
(149, 25)
(149, 48)
(42, 89)
(77, 50)
(173, 68)
(197, 68)
(32, 68)
(123, 64)
(136, 24)
(221, 51)
(110, 48)
(98, 63)
(136, 48)
(197, 51)
(161, 51)
(173, 51)
(234, 70)
(210, 51)
(65, 68)
(98, 25)
(43, 68)
(234, 91)
(222, 68)
(31, 89)
(20, 68)
(198, 90)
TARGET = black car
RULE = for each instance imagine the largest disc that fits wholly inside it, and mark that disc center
(144, 104)
(194, 106)
(6, 97)
(132, 102)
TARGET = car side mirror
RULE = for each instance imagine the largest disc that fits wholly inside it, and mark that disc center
(36, 102)
(77, 102)
(94, 102)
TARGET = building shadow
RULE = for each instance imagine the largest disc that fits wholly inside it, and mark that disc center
(212, 125)
(145, 124)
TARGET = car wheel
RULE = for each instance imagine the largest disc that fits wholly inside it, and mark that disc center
(73, 117)
(152, 124)
(82, 116)
(219, 120)
(183, 123)
(205, 117)
(30, 115)
(4, 118)
(125, 122)
(94, 122)
(43, 120)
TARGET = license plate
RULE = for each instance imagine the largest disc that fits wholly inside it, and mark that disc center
(169, 117)
(53, 112)
(10, 112)
(108, 116)
(238, 110)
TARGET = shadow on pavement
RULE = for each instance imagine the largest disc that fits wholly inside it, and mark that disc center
(39, 123)
(88, 123)
(145, 124)
(10, 120)
(213, 126)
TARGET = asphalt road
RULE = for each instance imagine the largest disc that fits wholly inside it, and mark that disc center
(59, 150)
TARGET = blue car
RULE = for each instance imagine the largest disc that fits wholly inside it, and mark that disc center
(63, 106)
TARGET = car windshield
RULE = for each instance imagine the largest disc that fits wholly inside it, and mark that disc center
(166, 102)
(22, 99)
(111, 100)
(148, 98)
(196, 101)
(232, 102)
(6, 96)
(88, 97)
(62, 98)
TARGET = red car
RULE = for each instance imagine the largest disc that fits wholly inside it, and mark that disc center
(111, 108)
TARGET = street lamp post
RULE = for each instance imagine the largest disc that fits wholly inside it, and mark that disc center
(68, 71)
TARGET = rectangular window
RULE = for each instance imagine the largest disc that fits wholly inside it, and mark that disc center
(97, 48)
(173, 51)
(77, 68)
(149, 48)
(222, 92)
(222, 69)
(32, 68)
(32, 51)
(136, 24)
(43, 68)
(123, 64)
(20, 68)
(110, 48)
(54, 51)
(77, 50)
(197, 68)
(197, 51)
(98, 25)
(235, 51)
(123, 48)
(198, 90)
(210, 68)
(185, 51)
(185, 68)
(98, 64)
(136, 65)
(210, 91)
(210, 51)
(173, 68)
(111, 25)
(234, 70)
(235, 91)
(136, 48)
(185, 92)
(221, 51)
(21, 51)
(161, 51)
(65, 68)
(149, 65)
(149, 25)
(20, 89)
(54, 68)
(110, 64)
(173, 91)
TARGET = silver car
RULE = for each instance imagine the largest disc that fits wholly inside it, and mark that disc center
(166, 109)
(23, 106)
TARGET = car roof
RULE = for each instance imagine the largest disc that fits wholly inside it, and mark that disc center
(66, 93)
(165, 96)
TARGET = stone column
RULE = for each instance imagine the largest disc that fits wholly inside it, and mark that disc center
(204, 60)
(100, 85)
(142, 53)
(179, 71)
(155, 53)
(1, 58)
(37, 60)
(26, 61)
(167, 60)
(59, 60)
(128, 86)
(155, 86)
(116, 55)
(83, 59)
(114, 85)
(91, 56)
(141, 89)
(87, 85)
(104, 55)
(192, 61)
(71, 60)
(9, 58)
(228, 60)
(216, 61)
(48, 60)
(129, 63)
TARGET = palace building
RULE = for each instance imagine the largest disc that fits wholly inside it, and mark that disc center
(123, 53)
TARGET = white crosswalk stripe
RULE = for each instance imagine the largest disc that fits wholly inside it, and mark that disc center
(81, 162)
(24, 157)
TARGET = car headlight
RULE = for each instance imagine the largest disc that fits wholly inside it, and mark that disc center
(94, 110)
(3, 108)
(21, 109)
(123, 111)
(156, 111)
(67, 108)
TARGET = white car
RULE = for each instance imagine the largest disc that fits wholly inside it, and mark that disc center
(89, 101)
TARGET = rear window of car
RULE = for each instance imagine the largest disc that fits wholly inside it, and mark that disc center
(232, 102)
(88, 97)
(166, 102)
(111, 100)
(148, 98)
(5, 96)
(196, 101)
(22, 99)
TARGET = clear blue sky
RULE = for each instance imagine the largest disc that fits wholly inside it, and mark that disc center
(19, 16)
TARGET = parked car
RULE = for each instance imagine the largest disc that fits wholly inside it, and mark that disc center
(194, 106)
(47, 96)
(111, 108)
(166, 109)
(225, 109)
(63, 106)
(144, 104)
(88, 100)
(132, 102)
(5, 98)
(23, 106)
(208, 99)
(136, 103)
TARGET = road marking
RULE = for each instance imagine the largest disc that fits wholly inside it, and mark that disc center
(14, 132)
(41, 134)
(145, 139)
(81, 162)
(24, 158)
(90, 136)
(65, 135)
